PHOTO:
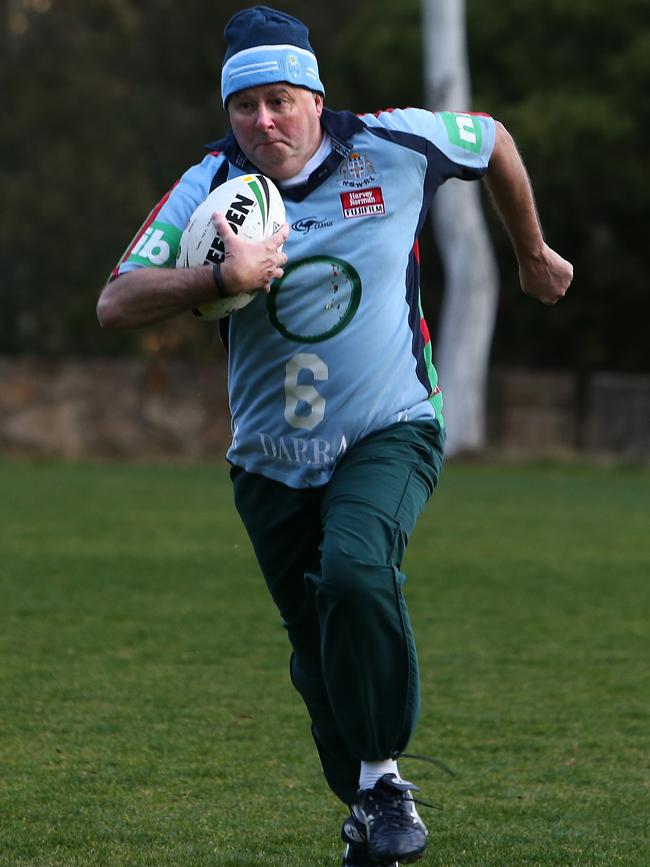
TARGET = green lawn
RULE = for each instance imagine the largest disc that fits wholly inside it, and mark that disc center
(146, 712)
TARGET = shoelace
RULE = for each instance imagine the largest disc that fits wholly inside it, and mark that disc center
(432, 761)
(437, 762)
(389, 807)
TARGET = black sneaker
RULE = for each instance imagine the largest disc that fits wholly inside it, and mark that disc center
(389, 821)
(356, 849)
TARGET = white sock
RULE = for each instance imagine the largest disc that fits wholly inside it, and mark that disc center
(372, 771)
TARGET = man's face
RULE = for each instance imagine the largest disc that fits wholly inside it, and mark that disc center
(277, 126)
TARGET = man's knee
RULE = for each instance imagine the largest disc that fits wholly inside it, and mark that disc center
(354, 582)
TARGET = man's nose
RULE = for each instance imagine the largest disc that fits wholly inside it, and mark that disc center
(264, 118)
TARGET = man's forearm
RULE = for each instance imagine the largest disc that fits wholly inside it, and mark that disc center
(149, 295)
(511, 191)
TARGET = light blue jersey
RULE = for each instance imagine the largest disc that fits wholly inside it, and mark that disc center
(339, 348)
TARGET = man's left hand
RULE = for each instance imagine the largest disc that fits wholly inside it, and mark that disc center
(546, 276)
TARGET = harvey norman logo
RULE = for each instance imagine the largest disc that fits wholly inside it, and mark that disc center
(363, 203)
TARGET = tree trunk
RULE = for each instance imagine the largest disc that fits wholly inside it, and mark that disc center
(469, 265)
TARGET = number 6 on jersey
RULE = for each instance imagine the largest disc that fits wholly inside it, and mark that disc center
(304, 405)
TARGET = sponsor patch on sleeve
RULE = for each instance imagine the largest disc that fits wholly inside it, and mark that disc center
(363, 203)
(464, 130)
(156, 246)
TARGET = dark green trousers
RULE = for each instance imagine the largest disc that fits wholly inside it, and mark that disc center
(331, 557)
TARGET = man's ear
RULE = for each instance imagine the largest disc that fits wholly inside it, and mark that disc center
(318, 100)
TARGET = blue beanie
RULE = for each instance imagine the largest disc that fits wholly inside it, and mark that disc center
(264, 47)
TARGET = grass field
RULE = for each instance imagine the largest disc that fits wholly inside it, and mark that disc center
(147, 716)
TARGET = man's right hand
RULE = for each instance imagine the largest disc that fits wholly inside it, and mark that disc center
(249, 265)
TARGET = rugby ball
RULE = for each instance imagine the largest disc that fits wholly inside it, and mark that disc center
(254, 209)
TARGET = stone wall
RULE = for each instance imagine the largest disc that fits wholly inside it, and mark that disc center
(160, 409)
(533, 413)
(113, 409)
(561, 415)
(618, 418)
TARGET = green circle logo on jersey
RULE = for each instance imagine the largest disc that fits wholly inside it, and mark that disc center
(316, 299)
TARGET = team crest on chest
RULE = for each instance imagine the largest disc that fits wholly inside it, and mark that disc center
(357, 170)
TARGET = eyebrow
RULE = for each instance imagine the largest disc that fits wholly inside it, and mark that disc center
(276, 90)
